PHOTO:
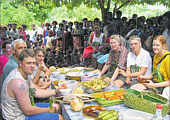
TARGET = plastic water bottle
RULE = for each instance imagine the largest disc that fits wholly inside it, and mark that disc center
(120, 116)
(158, 113)
(51, 101)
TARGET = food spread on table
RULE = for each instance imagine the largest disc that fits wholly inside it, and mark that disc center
(93, 110)
(95, 84)
(79, 79)
(76, 104)
(52, 69)
(108, 115)
(69, 97)
(109, 98)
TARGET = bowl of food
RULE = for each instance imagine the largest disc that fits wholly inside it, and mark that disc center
(93, 110)
(52, 69)
(74, 75)
(65, 91)
(71, 84)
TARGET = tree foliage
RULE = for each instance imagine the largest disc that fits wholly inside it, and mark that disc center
(19, 15)
(90, 3)
(31, 11)
(75, 14)
(41, 8)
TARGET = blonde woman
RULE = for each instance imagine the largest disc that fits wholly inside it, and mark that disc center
(161, 65)
(117, 60)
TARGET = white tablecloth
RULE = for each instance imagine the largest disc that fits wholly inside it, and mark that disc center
(124, 112)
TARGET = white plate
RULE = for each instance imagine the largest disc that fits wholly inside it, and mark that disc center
(80, 68)
(75, 74)
(64, 69)
(136, 115)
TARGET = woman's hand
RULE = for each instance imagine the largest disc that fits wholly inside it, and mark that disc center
(150, 84)
(100, 75)
(42, 67)
(122, 72)
(128, 80)
(48, 72)
(47, 77)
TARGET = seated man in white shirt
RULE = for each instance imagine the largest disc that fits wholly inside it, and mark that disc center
(139, 62)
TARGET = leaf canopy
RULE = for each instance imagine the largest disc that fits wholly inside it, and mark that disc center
(90, 3)
(94, 3)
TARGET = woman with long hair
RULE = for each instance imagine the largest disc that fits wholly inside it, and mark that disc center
(40, 77)
(117, 60)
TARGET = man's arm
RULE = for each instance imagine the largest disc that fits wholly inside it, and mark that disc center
(18, 89)
(128, 77)
(44, 93)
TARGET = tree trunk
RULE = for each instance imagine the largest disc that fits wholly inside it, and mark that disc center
(104, 10)
(23, 2)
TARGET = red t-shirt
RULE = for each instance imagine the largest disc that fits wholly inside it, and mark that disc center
(3, 61)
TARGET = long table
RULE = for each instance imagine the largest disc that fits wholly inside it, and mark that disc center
(124, 112)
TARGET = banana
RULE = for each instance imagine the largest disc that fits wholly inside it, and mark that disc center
(108, 115)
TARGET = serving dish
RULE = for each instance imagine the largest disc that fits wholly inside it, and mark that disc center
(69, 97)
(93, 110)
(109, 98)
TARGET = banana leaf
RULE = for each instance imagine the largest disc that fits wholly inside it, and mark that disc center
(145, 101)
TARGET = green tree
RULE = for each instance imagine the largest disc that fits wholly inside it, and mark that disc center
(40, 10)
(19, 15)
(42, 7)
(75, 14)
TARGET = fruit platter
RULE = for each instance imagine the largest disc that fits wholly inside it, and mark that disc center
(96, 84)
(109, 98)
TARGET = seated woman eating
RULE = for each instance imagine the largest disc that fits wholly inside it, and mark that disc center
(160, 77)
(117, 60)
(40, 77)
